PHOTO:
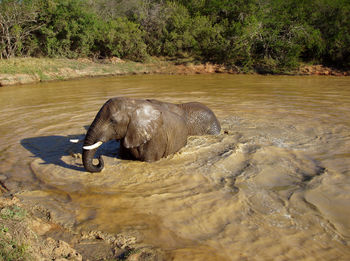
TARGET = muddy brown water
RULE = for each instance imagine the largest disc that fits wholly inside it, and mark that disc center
(274, 185)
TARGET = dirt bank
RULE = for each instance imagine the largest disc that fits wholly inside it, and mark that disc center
(321, 70)
(31, 234)
(33, 70)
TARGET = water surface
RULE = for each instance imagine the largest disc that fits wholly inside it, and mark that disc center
(275, 184)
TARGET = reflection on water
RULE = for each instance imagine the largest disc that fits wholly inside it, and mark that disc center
(275, 184)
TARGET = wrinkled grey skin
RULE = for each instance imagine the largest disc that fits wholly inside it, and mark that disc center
(148, 129)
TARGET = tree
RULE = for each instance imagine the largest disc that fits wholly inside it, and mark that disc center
(333, 20)
(120, 37)
(69, 31)
(18, 19)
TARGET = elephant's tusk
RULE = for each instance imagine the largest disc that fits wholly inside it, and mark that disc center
(93, 146)
(74, 140)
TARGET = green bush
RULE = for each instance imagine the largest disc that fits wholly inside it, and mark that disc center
(264, 35)
(121, 38)
(69, 29)
(271, 39)
(18, 21)
(332, 19)
(210, 43)
(178, 37)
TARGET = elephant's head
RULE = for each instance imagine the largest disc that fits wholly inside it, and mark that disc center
(132, 121)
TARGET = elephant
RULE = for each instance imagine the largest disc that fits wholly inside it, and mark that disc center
(148, 130)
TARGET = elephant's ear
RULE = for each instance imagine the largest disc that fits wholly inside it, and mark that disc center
(144, 123)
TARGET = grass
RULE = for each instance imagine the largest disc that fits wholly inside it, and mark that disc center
(28, 65)
(13, 212)
(10, 249)
(47, 65)
(46, 69)
(31, 70)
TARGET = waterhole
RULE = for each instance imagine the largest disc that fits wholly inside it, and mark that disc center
(273, 185)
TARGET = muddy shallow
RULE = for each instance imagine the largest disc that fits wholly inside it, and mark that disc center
(275, 184)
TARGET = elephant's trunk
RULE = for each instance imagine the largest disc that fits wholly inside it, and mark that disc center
(88, 156)
(91, 144)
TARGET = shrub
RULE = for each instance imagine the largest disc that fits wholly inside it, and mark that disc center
(122, 38)
(69, 29)
(18, 20)
(266, 35)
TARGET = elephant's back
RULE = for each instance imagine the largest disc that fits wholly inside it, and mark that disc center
(200, 119)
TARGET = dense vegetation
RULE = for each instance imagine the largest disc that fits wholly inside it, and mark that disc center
(264, 35)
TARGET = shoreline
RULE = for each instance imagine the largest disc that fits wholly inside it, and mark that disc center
(19, 71)
(30, 233)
